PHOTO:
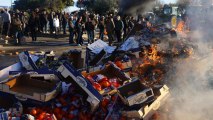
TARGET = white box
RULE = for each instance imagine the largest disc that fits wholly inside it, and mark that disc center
(135, 93)
(26, 87)
(146, 111)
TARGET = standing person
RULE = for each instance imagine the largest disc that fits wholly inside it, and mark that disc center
(131, 23)
(110, 26)
(43, 19)
(84, 17)
(12, 30)
(6, 22)
(64, 22)
(125, 23)
(71, 25)
(95, 24)
(37, 13)
(75, 31)
(1, 24)
(56, 24)
(101, 26)
(50, 18)
(79, 30)
(59, 14)
(27, 27)
(24, 19)
(90, 30)
(33, 25)
(119, 26)
(17, 26)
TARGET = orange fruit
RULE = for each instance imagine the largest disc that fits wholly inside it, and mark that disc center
(41, 116)
(105, 84)
(33, 112)
(97, 86)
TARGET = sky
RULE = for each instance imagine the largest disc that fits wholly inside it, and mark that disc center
(168, 1)
(8, 2)
(5, 2)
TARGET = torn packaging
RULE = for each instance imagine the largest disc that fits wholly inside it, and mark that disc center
(27, 61)
(99, 45)
(4, 73)
(70, 74)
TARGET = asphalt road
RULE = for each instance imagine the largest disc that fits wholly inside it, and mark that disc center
(8, 59)
(8, 53)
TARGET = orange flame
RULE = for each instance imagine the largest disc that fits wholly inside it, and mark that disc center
(145, 66)
(180, 26)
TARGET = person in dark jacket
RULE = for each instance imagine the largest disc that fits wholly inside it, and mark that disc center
(24, 20)
(131, 23)
(43, 21)
(37, 14)
(79, 30)
(64, 22)
(119, 26)
(90, 30)
(33, 24)
(71, 25)
(110, 26)
(17, 27)
(50, 18)
(59, 14)
(125, 23)
(101, 26)
(1, 24)
(6, 22)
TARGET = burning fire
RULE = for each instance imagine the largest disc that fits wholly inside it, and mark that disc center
(150, 55)
(147, 66)
(151, 66)
(182, 28)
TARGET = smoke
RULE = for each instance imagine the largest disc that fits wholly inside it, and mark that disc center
(191, 80)
(136, 6)
(191, 90)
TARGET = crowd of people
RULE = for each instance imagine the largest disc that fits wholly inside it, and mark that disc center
(16, 24)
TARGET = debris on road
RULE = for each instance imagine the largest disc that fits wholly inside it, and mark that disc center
(122, 83)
